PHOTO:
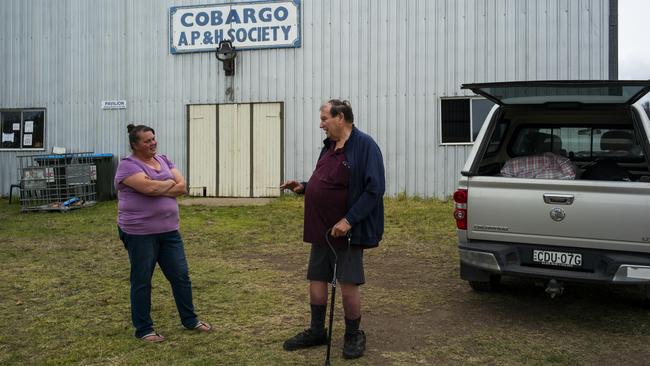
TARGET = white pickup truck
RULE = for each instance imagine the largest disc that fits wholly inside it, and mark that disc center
(557, 185)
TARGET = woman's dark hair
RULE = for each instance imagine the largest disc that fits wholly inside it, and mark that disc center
(134, 130)
(338, 106)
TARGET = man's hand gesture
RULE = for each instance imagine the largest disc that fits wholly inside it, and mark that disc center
(293, 185)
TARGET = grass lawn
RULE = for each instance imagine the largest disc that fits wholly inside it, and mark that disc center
(64, 296)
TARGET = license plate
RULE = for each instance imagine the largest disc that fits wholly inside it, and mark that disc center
(561, 259)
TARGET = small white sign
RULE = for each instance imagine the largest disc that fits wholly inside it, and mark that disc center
(58, 150)
(16, 126)
(113, 104)
(29, 126)
(27, 139)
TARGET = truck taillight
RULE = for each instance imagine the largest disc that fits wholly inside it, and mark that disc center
(460, 211)
(460, 196)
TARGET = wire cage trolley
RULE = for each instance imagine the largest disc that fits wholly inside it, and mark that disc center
(57, 182)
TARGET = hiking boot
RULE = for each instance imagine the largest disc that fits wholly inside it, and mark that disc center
(354, 344)
(307, 338)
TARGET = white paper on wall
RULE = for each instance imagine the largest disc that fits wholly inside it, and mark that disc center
(29, 126)
(27, 139)
(8, 137)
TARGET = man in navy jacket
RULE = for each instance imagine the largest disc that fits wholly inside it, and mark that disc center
(343, 199)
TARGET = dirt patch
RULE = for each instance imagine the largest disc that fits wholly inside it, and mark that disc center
(418, 311)
(223, 201)
(391, 328)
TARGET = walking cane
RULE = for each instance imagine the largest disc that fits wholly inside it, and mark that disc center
(329, 331)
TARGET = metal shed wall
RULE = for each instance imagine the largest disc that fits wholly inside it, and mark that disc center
(392, 59)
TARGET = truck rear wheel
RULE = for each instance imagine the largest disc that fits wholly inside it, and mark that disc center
(494, 284)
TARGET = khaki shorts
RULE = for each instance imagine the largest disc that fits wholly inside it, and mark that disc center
(349, 264)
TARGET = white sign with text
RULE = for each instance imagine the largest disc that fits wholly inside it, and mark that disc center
(114, 104)
(255, 25)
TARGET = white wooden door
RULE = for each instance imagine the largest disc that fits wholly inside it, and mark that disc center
(267, 149)
(234, 150)
(202, 167)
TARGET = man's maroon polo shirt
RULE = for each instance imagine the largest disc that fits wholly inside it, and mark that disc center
(326, 197)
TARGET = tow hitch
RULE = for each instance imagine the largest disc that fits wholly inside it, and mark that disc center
(554, 288)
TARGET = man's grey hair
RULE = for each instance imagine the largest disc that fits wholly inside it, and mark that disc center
(338, 106)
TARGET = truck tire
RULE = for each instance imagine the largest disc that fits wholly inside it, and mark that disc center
(494, 284)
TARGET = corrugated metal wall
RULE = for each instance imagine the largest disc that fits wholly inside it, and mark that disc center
(392, 59)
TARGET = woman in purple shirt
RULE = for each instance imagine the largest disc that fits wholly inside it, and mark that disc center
(147, 218)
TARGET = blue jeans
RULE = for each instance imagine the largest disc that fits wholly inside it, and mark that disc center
(167, 250)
